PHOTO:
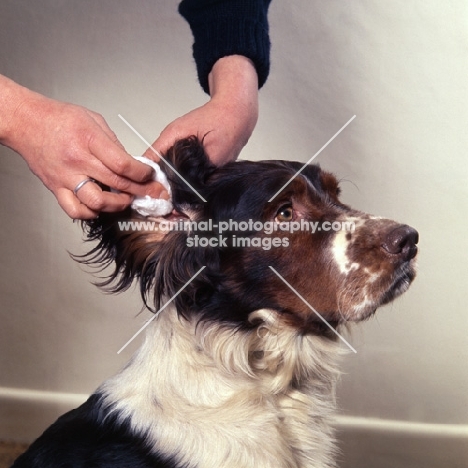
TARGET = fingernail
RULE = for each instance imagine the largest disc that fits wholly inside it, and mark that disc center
(150, 175)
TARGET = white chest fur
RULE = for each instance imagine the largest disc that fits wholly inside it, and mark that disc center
(215, 397)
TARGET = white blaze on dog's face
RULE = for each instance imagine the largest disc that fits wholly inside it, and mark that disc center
(349, 266)
(375, 263)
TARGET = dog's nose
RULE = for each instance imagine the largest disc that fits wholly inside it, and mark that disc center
(402, 241)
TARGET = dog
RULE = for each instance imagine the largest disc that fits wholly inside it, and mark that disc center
(239, 368)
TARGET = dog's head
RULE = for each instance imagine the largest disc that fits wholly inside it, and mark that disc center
(267, 236)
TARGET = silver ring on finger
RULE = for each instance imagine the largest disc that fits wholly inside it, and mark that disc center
(82, 183)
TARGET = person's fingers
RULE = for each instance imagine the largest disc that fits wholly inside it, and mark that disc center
(106, 177)
(155, 152)
(72, 206)
(117, 160)
(83, 162)
(154, 190)
(93, 197)
(191, 124)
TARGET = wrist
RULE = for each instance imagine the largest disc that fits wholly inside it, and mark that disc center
(232, 71)
(12, 100)
(233, 84)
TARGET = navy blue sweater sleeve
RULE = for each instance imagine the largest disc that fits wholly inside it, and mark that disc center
(228, 27)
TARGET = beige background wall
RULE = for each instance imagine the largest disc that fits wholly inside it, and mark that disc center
(400, 66)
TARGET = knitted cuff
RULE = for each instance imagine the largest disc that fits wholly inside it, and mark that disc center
(235, 27)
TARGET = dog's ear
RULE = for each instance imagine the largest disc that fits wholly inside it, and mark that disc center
(145, 249)
(187, 168)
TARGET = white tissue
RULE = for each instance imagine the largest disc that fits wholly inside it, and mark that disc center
(148, 206)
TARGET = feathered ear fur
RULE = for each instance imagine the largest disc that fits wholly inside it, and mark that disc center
(186, 162)
(141, 249)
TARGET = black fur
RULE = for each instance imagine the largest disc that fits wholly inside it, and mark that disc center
(232, 285)
(90, 437)
(238, 191)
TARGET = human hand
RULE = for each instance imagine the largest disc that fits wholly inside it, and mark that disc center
(65, 144)
(227, 120)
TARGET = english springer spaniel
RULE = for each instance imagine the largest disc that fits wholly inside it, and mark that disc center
(239, 369)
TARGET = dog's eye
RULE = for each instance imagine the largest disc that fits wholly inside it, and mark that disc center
(284, 214)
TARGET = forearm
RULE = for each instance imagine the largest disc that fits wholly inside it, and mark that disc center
(12, 98)
(23, 116)
(233, 85)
